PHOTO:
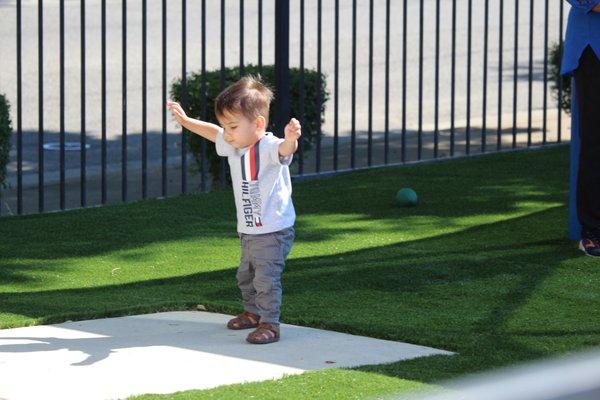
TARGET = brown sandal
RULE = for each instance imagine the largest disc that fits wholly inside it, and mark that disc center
(244, 320)
(265, 333)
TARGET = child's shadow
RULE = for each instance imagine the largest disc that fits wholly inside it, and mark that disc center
(92, 346)
(119, 334)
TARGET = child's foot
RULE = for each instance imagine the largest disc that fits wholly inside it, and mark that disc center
(590, 243)
(244, 320)
(265, 333)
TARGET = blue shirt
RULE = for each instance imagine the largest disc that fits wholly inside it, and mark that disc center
(583, 29)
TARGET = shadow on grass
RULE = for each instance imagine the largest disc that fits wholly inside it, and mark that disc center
(457, 300)
(493, 185)
(454, 291)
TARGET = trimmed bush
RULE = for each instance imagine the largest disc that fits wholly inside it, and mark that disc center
(5, 130)
(556, 52)
(312, 115)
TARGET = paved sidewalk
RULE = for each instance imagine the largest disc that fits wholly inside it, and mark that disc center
(168, 352)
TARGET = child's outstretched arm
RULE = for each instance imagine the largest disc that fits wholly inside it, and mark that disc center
(292, 134)
(204, 129)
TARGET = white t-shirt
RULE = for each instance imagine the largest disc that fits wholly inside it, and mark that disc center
(261, 182)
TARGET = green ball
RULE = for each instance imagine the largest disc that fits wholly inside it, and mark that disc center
(406, 197)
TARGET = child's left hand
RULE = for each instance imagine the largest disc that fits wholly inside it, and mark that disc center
(292, 130)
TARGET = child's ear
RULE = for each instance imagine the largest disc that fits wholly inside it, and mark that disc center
(261, 123)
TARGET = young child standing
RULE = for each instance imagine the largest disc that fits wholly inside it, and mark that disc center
(259, 165)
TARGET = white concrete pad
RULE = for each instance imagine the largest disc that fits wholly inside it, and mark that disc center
(168, 352)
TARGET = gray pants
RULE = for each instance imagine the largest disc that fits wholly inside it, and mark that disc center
(259, 273)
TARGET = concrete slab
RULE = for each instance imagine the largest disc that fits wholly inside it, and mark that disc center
(168, 352)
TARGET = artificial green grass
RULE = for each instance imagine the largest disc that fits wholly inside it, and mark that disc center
(481, 266)
(328, 384)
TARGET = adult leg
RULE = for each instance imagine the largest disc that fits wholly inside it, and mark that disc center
(587, 81)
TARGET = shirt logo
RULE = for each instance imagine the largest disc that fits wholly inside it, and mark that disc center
(251, 200)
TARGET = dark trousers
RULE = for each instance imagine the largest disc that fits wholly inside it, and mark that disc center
(587, 83)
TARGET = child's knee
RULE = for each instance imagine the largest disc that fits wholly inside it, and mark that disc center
(244, 275)
(268, 277)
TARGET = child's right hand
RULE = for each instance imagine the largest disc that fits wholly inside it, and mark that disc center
(177, 111)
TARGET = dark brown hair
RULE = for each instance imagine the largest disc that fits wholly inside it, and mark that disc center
(248, 96)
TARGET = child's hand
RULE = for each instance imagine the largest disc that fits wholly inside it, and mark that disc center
(292, 130)
(177, 111)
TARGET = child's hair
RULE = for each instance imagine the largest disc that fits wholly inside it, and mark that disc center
(248, 96)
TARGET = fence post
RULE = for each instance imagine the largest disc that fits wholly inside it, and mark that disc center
(281, 109)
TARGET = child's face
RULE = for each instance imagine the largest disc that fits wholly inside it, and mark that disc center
(239, 131)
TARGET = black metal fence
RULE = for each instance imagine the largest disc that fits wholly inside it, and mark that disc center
(402, 55)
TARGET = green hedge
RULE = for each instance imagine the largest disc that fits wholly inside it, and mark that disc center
(312, 115)
(5, 129)
(556, 78)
